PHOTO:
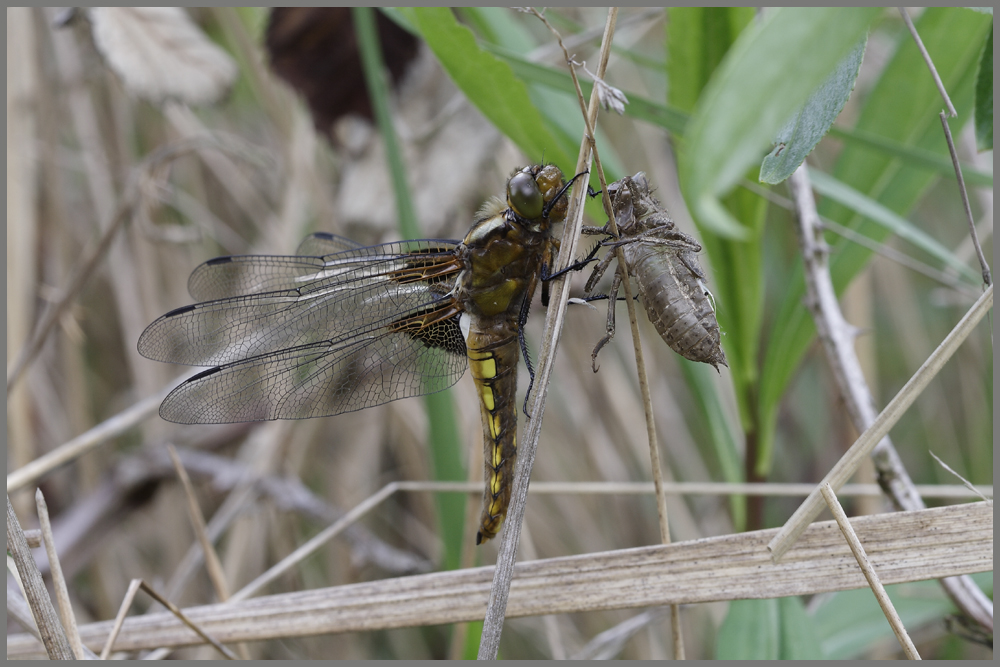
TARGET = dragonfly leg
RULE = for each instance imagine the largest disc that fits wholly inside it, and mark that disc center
(522, 319)
(575, 266)
(612, 301)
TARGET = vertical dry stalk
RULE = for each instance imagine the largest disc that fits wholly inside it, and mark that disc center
(640, 363)
(870, 575)
(58, 581)
(49, 627)
(559, 296)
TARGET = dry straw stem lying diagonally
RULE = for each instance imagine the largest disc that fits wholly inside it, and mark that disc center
(904, 546)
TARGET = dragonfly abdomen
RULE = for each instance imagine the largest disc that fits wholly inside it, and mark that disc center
(493, 361)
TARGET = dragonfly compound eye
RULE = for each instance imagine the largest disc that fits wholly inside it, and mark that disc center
(524, 196)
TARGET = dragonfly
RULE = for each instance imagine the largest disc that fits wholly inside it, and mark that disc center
(664, 262)
(340, 327)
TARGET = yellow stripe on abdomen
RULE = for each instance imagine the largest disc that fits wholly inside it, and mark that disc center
(494, 370)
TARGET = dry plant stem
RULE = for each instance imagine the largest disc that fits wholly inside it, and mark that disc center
(84, 442)
(315, 543)
(58, 581)
(964, 481)
(911, 546)
(49, 628)
(133, 588)
(834, 334)
(987, 278)
(212, 563)
(927, 59)
(559, 295)
(866, 567)
(74, 286)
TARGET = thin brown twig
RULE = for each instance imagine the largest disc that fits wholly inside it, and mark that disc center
(559, 296)
(84, 442)
(834, 333)
(49, 628)
(870, 575)
(58, 581)
(133, 589)
(134, 586)
(640, 363)
(927, 59)
(212, 563)
(987, 277)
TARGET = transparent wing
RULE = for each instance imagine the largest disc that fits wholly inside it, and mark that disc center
(290, 302)
(323, 379)
(240, 275)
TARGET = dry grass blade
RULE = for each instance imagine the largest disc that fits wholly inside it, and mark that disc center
(964, 481)
(84, 442)
(609, 643)
(866, 567)
(493, 623)
(58, 581)
(51, 631)
(133, 589)
(904, 546)
(212, 563)
(315, 543)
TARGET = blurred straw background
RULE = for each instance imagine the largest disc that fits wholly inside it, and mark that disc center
(243, 169)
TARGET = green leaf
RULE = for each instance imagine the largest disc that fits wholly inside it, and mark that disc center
(804, 129)
(697, 40)
(799, 635)
(952, 37)
(830, 187)
(489, 84)
(850, 623)
(749, 632)
(769, 73)
(984, 97)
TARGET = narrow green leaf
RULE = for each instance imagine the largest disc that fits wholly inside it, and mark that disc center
(804, 130)
(830, 187)
(489, 84)
(749, 632)
(915, 156)
(984, 97)
(952, 37)
(799, 636)
(771, 70)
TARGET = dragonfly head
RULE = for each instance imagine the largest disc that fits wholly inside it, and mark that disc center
(524, 196)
